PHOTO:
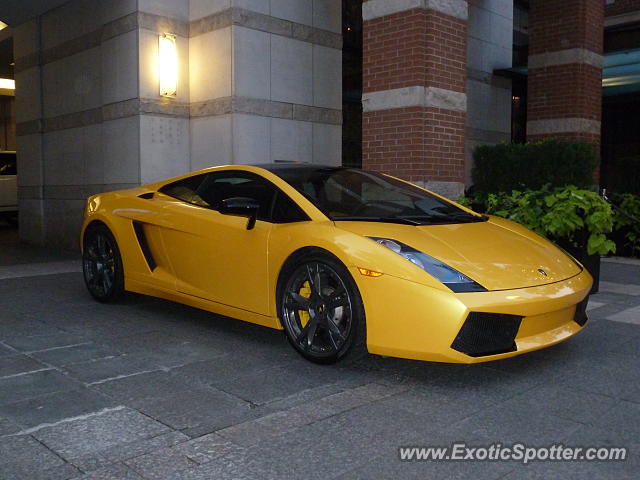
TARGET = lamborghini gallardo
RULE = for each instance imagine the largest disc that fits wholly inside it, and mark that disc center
(344, 261)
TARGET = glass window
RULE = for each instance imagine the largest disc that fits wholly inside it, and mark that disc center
(285, 210)
(219, 186)
(210, 189)
(352, 194)
(187, 190)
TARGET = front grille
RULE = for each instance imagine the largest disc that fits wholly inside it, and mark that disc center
(581, 312)
(487, 334)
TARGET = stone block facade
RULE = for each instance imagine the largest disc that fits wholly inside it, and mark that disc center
(258, 81)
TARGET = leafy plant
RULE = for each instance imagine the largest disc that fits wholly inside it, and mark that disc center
(567, 214)
(465, 201)
(625, 221)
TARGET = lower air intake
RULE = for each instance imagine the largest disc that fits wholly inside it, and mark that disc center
(487, 334)
(581, 312)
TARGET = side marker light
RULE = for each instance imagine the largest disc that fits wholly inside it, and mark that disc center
(369, 273)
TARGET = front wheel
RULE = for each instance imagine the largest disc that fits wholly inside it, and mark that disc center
(102, 264)
(321, 309)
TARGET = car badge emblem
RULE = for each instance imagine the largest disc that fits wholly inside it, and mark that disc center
(542, 272)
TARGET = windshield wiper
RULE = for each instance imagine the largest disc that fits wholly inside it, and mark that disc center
(401, 220)
(416, 220)
(469, 216)
(455, 216)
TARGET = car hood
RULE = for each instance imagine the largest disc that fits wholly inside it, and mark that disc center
(498, 254)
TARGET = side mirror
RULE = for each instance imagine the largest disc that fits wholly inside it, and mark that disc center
(241, 206)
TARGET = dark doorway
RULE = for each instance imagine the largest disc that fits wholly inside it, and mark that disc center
(620, 138)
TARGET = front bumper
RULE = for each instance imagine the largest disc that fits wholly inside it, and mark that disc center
(409, 320)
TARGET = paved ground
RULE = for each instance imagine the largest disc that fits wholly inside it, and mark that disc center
(150, 389)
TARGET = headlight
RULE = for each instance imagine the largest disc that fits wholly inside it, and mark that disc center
(452, 278)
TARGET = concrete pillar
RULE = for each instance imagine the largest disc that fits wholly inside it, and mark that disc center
(414, 83)
(266, 81)
(565, 69)
(28, 76)
(258, 81)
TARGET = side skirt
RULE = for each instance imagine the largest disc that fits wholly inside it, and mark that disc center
(207, 305)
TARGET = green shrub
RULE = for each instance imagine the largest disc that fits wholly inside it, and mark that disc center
(568, 215)
(625, 222)
(511, 166)
(623, 175)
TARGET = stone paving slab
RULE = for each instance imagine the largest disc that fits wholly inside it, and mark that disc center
(83, 439)
(54, 407)
(192, 407)
(113, 367)
(19, 364)
(114, 471)
(147, 389)
(593, 305)
(620, 288)
(630, 315)
(34, 384)
(38, 269)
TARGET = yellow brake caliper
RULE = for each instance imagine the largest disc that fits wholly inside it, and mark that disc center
(305, 291)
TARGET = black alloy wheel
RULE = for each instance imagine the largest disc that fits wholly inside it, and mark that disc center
(321, 309)
(102, 264)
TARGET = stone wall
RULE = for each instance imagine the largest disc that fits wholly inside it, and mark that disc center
(259, 81)
(77, 112)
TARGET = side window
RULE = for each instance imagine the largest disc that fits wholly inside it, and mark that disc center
(286, 211)
(187, 190)
(209, 189)
(219, 186)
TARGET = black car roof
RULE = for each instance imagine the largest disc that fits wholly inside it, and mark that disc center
(294, 166)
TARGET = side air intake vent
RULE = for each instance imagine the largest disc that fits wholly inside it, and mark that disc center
(487, 334)
(138, 227)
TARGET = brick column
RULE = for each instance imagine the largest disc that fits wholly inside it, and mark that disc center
(565, 69)
(621, 7)
(414, 101)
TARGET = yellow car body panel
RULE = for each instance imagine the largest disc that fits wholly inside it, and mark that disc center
(407, 316)
(211, 261)
(487, 252)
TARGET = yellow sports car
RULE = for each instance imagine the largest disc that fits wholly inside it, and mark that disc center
(343, 260)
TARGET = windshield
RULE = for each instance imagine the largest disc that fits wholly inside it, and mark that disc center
(352, 194)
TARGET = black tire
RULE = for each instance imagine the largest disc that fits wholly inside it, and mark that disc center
(328, 324)
(102, 264)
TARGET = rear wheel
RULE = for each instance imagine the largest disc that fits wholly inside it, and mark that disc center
(321, 310)
(102, 264)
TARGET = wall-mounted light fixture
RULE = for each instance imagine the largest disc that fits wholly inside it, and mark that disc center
(168, 65)
(3, 25)
(7, 84)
